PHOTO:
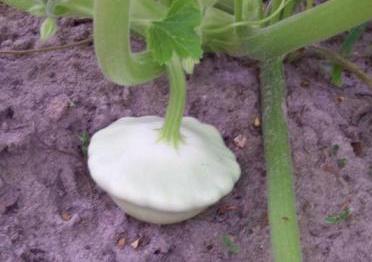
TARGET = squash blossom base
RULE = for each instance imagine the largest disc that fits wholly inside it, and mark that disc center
(154, 181)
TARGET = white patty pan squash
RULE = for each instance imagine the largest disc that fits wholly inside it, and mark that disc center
(154, 181)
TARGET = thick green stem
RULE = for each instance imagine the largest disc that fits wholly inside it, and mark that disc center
(290, 8)
(177, 97)
(255, 10)
(226, 5)
(246, 10)
(287, 35)
(281, 197)
(240, 13)
(309, 4)
(113, 49)
(275, 4)
(316, 24)
(238, 10)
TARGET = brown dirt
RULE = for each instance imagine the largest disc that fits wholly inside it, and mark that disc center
(50, 209)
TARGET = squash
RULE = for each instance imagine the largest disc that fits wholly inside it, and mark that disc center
(155, 181)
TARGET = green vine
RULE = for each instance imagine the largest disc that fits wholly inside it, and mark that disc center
(281, 197)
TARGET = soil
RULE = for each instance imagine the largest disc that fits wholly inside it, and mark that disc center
(50, 209)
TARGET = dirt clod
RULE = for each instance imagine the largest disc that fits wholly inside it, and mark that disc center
(58, 107)
(121, 243)
(8, 200)
(66, 216)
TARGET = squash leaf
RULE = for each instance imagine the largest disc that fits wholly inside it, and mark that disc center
(176, 33)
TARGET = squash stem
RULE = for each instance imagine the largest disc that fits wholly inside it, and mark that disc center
(285, 237)
(170, 131)
(113, 49)
(238, 10)
(305, 28)
(275, 5)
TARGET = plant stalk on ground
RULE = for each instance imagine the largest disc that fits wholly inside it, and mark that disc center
(281, 197)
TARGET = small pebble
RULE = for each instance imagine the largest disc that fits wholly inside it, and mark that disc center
(135, 243)
(305, 83)
(240, 141)
(121, 243)
(340, 99)
(58, 107)
(257, 122)
(66, 216)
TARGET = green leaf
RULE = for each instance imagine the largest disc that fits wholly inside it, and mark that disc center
(85, 140)
(335, 149)
(188, 64)
(338, 218)
(341, 163)
(176, 33)
(37, 10)
(345, 51)
(230, 244)
(48, 28)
